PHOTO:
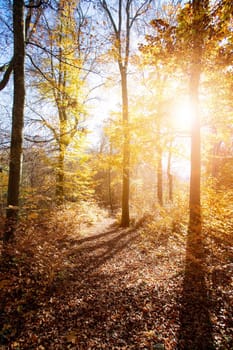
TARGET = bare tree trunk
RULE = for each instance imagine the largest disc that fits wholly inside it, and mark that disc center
(194, 199)
(60, 182)
(110, 180)
(199, 10)
(169, 175)
(122, 26)
(160, 177)
(17, 120)
(126, 151)
(159, 162)
(110, 189)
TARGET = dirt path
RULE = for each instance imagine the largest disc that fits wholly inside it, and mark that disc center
(113, 296)
(112, 290)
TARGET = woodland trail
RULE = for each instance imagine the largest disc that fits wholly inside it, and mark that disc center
(112, 290)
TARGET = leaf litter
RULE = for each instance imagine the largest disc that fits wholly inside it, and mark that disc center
(105, 287)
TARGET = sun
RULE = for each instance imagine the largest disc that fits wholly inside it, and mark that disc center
(182, 116)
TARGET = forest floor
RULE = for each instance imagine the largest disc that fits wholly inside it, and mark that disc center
(115, 288)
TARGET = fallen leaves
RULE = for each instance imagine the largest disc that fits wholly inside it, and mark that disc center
(108, 288)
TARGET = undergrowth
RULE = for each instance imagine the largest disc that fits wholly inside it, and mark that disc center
(170, 221)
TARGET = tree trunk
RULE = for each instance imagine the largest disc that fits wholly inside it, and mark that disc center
(159, 161)
(160, 177)
(122, 20)
(110, 189)
(194, 200)
(60, 176)
(126, 150)
(169, 175)
(17, 121)
(110, 180)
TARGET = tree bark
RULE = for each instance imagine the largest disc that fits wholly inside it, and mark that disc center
(60, 182)
(195, 192)
(195, 73)
(126, 151)
(169, 175)
(160, 177)
(159, 161)
(125, 19)
(17, 121)
(110, 179)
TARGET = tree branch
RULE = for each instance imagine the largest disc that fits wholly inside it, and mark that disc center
(38, 69)
(7, 74)
(105, 7)
(142, 9)
(37, 5)
(62, 61)
(33, 140)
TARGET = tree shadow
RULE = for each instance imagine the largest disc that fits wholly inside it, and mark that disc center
(89, 238)
(87, 255)
(93, 306)
(195, 325)
(92, 252)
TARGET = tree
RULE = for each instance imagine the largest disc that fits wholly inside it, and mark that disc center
(20, 28)
(208, 38)
(61, 84)
(17, 119)
(106, 164)
(199, 23)
(219, 86)
(163, 68)
(127, 12)
(184, 38)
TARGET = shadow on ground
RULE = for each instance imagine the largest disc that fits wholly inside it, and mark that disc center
(93, 303)
(100, 299)
(195, 325)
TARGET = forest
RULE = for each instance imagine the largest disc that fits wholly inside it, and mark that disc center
(116, 174)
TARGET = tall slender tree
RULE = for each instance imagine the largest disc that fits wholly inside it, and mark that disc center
(20, 28)
(200, 17)
(61, 83)
(17, 118)
(122, 19)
